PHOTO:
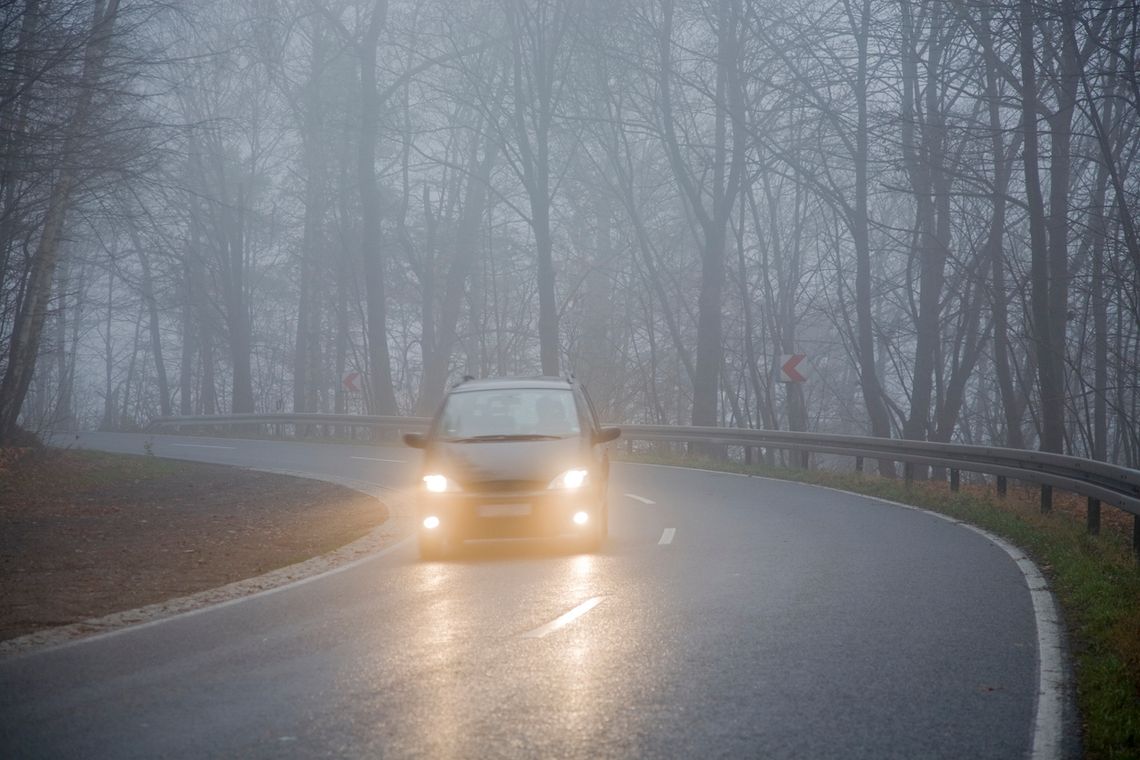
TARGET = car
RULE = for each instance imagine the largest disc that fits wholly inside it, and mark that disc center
(513, 457)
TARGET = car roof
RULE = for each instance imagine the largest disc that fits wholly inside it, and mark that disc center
(505, 383)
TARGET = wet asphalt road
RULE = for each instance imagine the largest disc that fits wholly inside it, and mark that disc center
(725, 617)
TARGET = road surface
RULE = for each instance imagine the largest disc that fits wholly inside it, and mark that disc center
(727, 616)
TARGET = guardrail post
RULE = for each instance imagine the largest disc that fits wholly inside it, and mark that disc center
(954, 480)
(908, 474)
(859, 465)
(1046, 499)
(1094, 516)
(1001, 486)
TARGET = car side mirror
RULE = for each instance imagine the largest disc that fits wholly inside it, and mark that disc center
(415, 440)
(607, 434)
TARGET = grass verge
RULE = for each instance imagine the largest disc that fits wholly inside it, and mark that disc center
(1095, 578)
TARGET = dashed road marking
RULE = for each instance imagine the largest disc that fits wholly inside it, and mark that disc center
(374, 459)
(563, 620)
(667, 536)
(642, 499)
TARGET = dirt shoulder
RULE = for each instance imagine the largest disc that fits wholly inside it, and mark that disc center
(84, 534)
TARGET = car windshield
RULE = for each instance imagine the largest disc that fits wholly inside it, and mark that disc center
(509, 413)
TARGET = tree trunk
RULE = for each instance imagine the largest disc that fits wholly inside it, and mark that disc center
(860, 232)
(186, 366)
(306, 354)
(1098, 229)
(13, 128)
(25, 341)
(544, 32)
(237, 306)
(1013, 403)
(1048, 363)
(595, 363)
(151, 303)
(109, 395)
(729, 105)
(1053, 397)
(464, 253)
(383, 395)
(931, 196)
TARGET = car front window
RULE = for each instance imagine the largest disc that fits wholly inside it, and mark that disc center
(510, 413)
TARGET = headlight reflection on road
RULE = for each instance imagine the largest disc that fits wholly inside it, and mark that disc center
(475, 669)
(440, 690)
(578, 663)
(432, 578)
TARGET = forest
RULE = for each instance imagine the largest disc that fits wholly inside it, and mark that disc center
(230, 205)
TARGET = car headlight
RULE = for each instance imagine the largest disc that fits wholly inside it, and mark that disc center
(569, 480)
(437, 483)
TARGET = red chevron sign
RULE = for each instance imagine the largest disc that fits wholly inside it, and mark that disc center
(788, 371)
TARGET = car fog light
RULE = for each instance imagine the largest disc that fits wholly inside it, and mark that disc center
(431, 523)
(581, 518)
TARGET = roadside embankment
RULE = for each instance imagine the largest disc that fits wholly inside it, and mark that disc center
(84, 534)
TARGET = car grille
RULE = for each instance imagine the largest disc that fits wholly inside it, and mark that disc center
(504, 486)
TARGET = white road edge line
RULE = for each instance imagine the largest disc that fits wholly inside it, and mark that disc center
(374, 459)
(563, 620)
(642, 499)
(1051, 673)
(667, 536)
(200, 446)
(1047, 741)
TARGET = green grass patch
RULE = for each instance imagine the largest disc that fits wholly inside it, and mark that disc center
(1096, 579)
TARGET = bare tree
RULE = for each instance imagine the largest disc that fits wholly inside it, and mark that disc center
(29, 322)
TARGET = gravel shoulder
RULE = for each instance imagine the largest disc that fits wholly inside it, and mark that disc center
(85, 534)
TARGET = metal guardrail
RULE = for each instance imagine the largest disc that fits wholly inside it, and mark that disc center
(369, 421)
(1100, 482)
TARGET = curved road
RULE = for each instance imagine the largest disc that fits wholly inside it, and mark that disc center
(727, 616)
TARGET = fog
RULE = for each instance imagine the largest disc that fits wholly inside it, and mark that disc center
(226, 206)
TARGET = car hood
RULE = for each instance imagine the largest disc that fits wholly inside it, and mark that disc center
(477, 462)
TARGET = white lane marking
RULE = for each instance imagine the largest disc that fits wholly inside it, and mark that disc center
(374, 459)
(1052, 676)
(667, 536)
(563, 620)
(642, 499)
(200, 446)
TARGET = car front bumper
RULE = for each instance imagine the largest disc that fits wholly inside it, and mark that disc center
(513, 514)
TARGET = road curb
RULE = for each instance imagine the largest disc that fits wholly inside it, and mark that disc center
(379, 540)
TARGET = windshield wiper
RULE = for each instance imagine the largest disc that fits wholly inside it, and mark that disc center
(508, 437)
